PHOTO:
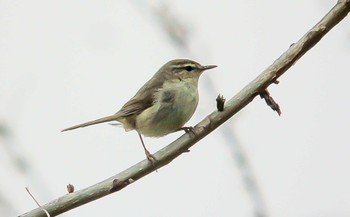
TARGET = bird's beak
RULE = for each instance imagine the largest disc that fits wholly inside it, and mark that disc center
(209, 67)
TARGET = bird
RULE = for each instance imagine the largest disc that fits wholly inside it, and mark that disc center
(162, 105)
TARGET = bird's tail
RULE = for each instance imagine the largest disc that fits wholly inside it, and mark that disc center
(97, 121)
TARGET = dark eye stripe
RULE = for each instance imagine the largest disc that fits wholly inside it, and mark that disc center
(188, 68)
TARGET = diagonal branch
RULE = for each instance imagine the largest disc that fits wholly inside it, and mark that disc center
(203, 128)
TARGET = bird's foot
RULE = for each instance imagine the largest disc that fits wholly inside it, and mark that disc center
(150, 157)
(187, 129)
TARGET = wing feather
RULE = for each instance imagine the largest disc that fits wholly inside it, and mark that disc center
(144, 98)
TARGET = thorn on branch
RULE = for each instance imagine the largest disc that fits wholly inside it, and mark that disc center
(275, 81)
(46, 212)
(270, 101)
(70, 188)
(220, 103)
(118, 185)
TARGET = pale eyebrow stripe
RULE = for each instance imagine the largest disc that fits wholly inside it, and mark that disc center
(183, 65)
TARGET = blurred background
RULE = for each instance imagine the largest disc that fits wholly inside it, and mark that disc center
(67, 62)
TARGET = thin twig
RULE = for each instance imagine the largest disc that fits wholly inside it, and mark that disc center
(207, 125)
(47, 213)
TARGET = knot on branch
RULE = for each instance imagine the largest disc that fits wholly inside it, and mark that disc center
(118, 185)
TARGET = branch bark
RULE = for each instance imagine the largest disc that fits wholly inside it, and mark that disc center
(203, 128)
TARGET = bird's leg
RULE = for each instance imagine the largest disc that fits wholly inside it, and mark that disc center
(149, 156)
(186, 129)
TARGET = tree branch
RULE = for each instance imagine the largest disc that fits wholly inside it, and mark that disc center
(203, 128)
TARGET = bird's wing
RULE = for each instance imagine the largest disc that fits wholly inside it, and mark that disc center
(136, 106)
(143, 99)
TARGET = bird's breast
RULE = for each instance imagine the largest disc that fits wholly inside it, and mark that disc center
(174, 105)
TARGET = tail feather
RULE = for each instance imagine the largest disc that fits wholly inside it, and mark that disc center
(97, 121)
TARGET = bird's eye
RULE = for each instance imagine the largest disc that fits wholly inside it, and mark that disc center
(188, 68)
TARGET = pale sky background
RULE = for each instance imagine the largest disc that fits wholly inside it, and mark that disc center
(66, 62)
